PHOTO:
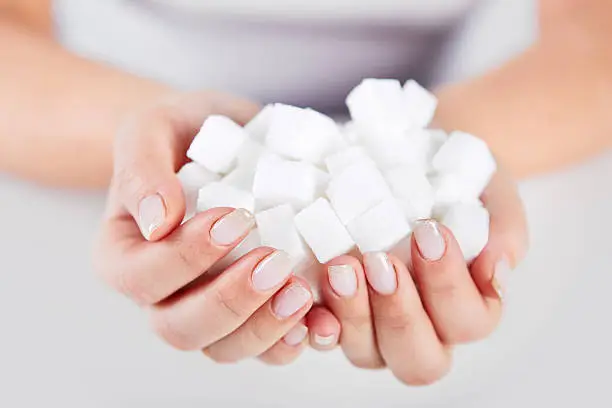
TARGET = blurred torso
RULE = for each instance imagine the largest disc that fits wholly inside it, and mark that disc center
(301, 52)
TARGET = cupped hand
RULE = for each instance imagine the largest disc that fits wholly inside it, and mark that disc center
(408, 317)
(253, 308)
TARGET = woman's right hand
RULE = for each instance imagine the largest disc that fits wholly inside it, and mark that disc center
(255, 307)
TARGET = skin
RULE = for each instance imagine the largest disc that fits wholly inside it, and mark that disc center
(412, 330)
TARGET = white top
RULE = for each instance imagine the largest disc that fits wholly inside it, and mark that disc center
(301, 52)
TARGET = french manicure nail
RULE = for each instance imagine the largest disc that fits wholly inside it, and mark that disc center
(501, 276)
(296, 336)
(324, 341)
(430, 240)
(290, 300)
(343, 280)
(232, 226)
(380, 272)
(272, 271)
(151, 215)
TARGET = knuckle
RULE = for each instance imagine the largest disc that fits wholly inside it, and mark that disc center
(395, 323)
(130, 285)
(218, 357)
(230, 305)
(360, 323)
(168, 331)
(425, 376)
(367, 363)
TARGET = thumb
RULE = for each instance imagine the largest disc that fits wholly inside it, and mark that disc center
(144, 185)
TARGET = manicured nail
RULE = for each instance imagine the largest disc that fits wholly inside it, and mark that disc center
(290, 300)
(502, 273)
(343, 280)
(272, 271)
(324, 341)
(430, 240)
(296, 336)
(151, 215)
(380, 272)
(232, 226)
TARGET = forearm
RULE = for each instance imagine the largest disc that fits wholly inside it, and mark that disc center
(545, 109)
(59, 113)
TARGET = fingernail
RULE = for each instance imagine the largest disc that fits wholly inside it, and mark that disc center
(324, 341)
(272, 271)
(151, 215)
(296, 336)
(502, 273)
(380, 273)
(343, 280)
(430, 240)
(290, 300)
(234, 225)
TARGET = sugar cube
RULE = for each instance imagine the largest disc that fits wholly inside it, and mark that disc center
(277, 230)
(356, 189)
(378, 107)
(339, 161)
(241, 177)
(421, 104)
(278, 181)
(250, 153)
(219, 194)
(302, 134)
(391, 151)
(380, 228)
(192, 177)
(323, 231)
(462, 152)
(249, 243)
(258, 127)
(469, 224)
(413, 191)
(217, 145)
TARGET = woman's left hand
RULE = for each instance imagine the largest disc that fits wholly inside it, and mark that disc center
(407, 318)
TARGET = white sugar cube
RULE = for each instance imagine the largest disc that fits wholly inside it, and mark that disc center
(241, 177)
(278, 181)
(339, 161)
(192, 177)
(469, 224)
(466, 161)
(250, 153)
(356, 189)
(302, 134)
(323, 231)
(249, 243)
(258, 127)
(435, 140)
(380, 228)
(450, 188)
(378, 107)
(277, 230)
(392, 151)
(421, 104)
(413, 191)
(219, 194)
(217, 144)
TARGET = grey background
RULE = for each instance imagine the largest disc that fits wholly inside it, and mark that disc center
(65, 340)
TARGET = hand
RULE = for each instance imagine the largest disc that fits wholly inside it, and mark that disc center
(408, 320)
(145, 253)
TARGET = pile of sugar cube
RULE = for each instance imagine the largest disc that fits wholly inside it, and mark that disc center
(320, 189)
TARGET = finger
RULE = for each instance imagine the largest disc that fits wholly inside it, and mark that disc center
(266, 326)
(203, 314)
(149, 150)
(148, 272)
(508, 240)
(406, 337)
(449, 294)
(345, 292)
(289, 348)
(324, 329)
